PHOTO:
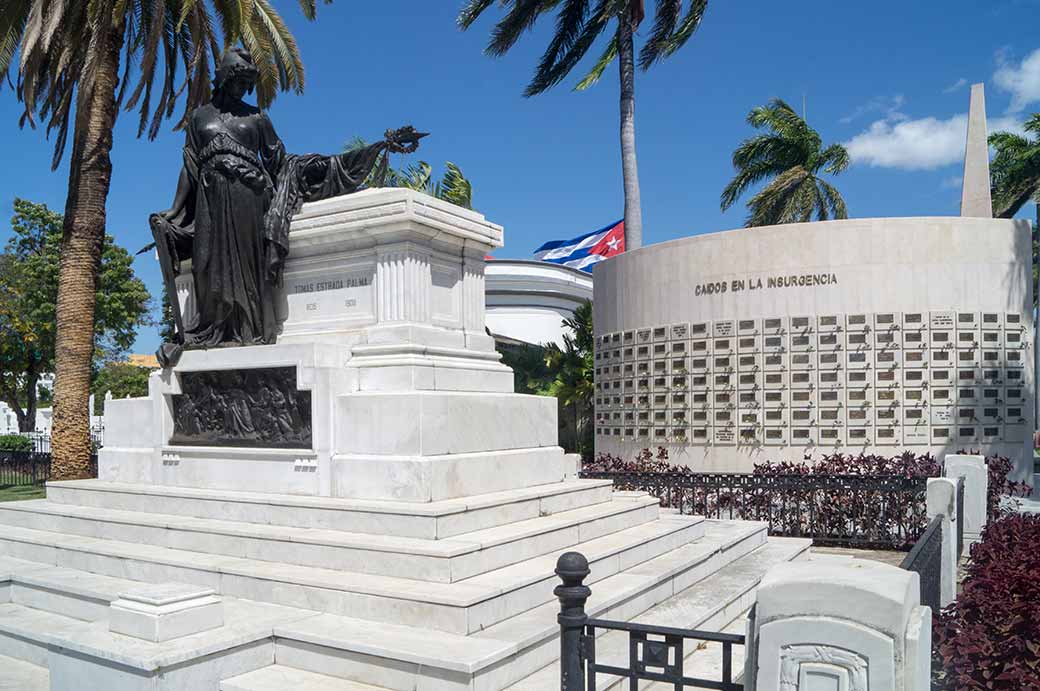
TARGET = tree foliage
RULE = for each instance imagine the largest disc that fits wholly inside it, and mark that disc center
(453, 186)
(28, 297)
(793, 157)
(60, 44)
(578, 26)
(579, 23)
(1015, 169)
(122, 379)
(571, 369)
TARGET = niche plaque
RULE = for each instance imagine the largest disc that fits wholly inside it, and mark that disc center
(253, 408)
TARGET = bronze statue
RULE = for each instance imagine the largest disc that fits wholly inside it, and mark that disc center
(237, 193)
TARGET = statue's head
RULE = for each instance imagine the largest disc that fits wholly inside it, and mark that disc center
(236, 74)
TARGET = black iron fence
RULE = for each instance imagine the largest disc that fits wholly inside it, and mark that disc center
(655, 653)
(41, 441)
(874, 512)
(24, 468)
(29, 468)
(925, 559)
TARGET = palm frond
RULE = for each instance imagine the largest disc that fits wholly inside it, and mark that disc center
(286, 52)
(471, 11)
(746, 177)
(594, 26)
(774, 202)
(1015, 169)
(666, 17)
(834, 159)
(570, 22)
(519, 19)
(832, 197)
(454, 187)
(669, 33)
(596, 73)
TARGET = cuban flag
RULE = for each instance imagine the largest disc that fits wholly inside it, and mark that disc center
(584, 251)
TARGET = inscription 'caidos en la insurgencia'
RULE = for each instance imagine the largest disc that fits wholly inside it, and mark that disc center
(758, 283)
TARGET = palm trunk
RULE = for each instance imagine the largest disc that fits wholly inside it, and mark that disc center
(629, 171)
(90, 174)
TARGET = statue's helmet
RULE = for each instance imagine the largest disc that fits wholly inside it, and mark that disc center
(236, 62)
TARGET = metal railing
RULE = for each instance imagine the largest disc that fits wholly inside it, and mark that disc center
(24, 468)
(41, 441)
(868, 511)
(925, 559)
(655, 653)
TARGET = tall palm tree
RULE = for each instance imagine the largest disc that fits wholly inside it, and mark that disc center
(793, 156)
(578, 24)
(75, 64)
(1015, 169)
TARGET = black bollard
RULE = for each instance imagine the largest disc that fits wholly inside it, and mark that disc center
(572, 568)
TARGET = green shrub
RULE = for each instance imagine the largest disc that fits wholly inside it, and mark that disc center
(15, 442)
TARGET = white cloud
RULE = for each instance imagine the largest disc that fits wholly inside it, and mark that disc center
(1021, 80)
(956, 86)
(887, 105)
(922, 144)
(953, 182)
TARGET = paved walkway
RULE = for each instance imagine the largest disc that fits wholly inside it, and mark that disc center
(884, 556)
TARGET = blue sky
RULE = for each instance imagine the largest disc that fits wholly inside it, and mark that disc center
(889, 78)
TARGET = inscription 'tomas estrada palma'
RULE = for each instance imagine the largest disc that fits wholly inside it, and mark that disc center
(332, 284)
(769, 282)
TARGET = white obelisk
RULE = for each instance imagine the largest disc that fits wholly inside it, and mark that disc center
(975, 196)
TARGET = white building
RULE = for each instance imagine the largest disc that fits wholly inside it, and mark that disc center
(527, 301)
(862, 335)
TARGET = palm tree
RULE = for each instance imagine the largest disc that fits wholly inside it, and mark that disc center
(453, 186)
(76, 62)
(792, 155)
(578, 24)
(1015, 170)
(572, 370)
(1014, 181)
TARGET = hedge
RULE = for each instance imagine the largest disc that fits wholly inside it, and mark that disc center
(15, 442)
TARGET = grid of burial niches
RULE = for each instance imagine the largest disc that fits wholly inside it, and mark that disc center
(922, 378)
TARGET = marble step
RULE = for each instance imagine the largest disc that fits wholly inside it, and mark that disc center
(428, 521)
(71, 593)
(400, 657)
(86, 655)
(443, 561)
(462, 607)
(281, 678)
(16, 675)
(26, 633)
(710, 604)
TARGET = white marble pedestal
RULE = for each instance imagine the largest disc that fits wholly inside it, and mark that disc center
(382, 314)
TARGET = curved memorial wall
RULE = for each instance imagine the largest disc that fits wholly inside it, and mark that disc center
(887, 335)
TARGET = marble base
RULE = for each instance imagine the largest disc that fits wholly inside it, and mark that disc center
(165, 611)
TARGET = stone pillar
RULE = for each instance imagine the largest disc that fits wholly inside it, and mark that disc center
(839, 626)
(402, 286)
(942, 501)
(976, 488)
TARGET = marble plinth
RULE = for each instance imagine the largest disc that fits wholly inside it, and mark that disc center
(382, 321)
